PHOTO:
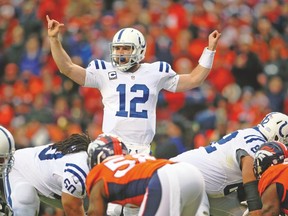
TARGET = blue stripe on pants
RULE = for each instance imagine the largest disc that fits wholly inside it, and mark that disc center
(154, 196)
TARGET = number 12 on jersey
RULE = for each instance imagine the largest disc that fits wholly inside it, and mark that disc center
(123, 110)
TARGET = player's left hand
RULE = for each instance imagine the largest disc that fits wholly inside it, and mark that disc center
(213, 40)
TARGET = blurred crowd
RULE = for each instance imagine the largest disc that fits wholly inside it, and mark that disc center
(249, 77)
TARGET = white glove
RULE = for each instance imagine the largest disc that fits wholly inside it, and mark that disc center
(244, 203)
(113, 209)
(246, 213)
(130, 211)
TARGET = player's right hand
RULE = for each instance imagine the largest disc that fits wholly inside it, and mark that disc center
(53, 27)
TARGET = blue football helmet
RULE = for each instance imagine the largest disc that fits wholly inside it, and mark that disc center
(269, 154)
(103, 146)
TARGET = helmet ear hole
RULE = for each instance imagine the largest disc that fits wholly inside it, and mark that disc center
(274, 127)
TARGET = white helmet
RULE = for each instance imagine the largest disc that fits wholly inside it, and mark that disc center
(7, 149)
(128, 37)
(274, 126)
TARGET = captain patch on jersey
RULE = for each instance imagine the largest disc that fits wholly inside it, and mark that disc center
(112, 75)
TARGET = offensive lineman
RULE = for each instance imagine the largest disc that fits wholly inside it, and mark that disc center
(228, 163)
(53, 173)
(7, 149)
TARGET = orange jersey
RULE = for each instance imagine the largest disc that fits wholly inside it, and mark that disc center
(276, 174)
(125, 177)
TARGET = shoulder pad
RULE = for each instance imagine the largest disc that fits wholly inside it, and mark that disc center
(162, 66)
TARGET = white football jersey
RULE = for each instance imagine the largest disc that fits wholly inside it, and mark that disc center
(130, 98)
(218, 161)
(50, 172)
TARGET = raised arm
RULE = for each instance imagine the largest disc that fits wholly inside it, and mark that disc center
(199, 74)
(60, 56)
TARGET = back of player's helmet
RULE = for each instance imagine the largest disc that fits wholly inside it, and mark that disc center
(269, 153)
(7, 149)
(127, 37)
(103, 146)
(274, 126)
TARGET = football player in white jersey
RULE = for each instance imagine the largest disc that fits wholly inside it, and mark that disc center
(129, 88)
(7, 149)
(53, 173)
(228, 163)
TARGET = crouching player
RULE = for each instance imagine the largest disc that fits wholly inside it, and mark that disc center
(158, 187)
(272, 171)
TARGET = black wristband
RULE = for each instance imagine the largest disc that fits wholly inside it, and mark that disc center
(252, 196)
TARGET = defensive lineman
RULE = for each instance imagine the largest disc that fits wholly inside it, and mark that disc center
(158, 187)
(228, 163)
